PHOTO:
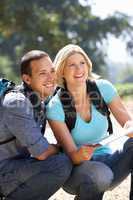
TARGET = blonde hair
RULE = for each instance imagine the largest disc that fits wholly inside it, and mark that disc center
(61, 58)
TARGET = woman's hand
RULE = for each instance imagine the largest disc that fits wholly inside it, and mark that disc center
(83, 153)
(129, 125)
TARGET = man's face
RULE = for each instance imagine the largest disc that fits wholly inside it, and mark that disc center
(42, 79)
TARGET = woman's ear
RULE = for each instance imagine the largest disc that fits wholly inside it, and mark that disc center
(26, 78)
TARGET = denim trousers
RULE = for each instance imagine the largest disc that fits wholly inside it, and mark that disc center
(31, 179)
(104, 172)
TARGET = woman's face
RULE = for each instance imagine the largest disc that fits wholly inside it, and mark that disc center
(75, 70)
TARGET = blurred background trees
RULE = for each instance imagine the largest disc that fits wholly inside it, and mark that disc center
(49, 25)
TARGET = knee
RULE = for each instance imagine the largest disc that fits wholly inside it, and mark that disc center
(97, 174)
(102, 176)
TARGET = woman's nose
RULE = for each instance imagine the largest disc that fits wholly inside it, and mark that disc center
(78, 66)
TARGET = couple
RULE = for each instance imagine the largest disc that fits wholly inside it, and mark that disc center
(30, 167)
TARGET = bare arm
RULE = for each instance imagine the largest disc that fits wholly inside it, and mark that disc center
(64, 138)
(119, 111)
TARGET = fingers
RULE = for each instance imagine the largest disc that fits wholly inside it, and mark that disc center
(94, 145)
(86, 152)
(128, 124)
(130, 135)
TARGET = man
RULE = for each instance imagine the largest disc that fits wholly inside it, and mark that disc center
(30, 167)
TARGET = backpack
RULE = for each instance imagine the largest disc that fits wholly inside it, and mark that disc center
(5, 86)
(96, 99)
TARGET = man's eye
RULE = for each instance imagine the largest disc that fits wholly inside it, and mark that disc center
(43, 73)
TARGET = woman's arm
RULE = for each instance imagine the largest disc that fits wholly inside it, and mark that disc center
(119, 111)
(65, 139)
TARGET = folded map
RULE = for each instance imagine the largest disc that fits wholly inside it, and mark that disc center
(114, 137)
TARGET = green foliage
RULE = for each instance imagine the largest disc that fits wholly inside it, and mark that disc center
(49, 25)
(6, 69)
(126, 72)
(125, 90)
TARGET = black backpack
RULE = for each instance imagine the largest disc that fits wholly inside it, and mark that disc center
(96, 98)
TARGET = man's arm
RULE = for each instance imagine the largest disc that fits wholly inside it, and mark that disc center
(19, 119)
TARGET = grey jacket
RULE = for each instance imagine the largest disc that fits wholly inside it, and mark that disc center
(17, 119)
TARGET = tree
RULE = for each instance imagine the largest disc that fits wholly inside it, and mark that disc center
(49, 25)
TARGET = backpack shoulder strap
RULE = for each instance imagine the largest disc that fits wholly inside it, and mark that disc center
(99, 102)
(68, 107)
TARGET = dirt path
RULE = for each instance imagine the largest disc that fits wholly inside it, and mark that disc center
(121, 192)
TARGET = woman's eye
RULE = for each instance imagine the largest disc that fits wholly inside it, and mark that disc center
(76, 65)
(52, 71)
(72, 65)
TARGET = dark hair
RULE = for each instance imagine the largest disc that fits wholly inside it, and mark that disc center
(28, 57)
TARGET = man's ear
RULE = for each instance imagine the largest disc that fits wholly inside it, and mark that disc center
(26, 78)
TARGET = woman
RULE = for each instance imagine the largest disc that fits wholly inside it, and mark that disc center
(73, 69)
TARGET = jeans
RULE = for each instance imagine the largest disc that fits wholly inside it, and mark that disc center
(86, 182)
(30, 179)
(94, 183)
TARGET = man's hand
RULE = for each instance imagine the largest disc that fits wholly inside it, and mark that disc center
(51, 150)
